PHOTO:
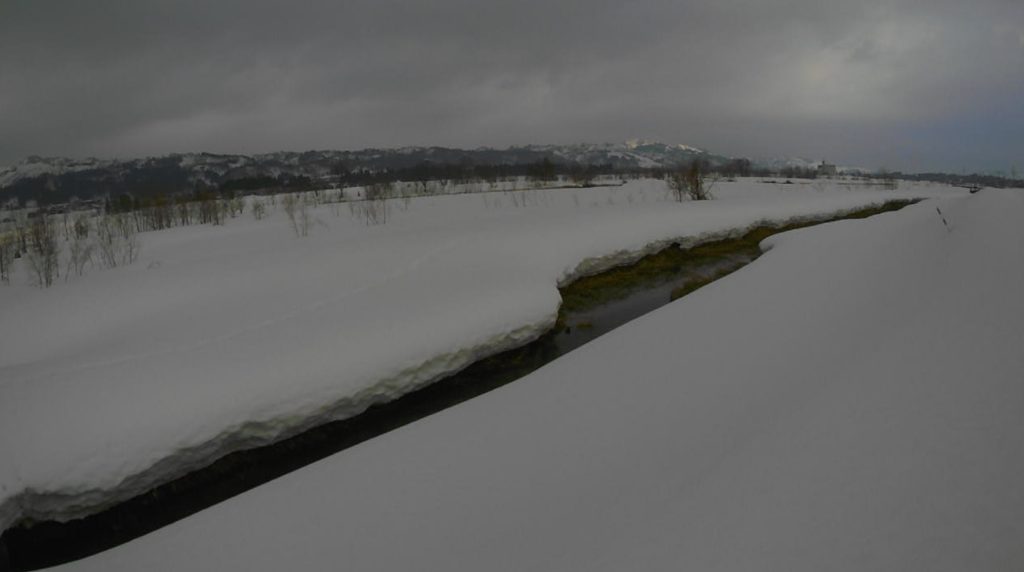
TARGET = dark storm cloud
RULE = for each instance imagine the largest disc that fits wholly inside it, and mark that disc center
(902, 84)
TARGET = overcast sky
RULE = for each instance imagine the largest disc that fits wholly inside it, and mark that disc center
(900, 84)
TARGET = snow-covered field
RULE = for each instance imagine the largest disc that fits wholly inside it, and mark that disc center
(222, 338)
(850, 401)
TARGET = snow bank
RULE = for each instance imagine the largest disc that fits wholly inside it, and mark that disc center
(223, 338)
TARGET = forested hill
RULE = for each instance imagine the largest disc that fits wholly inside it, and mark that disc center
(57, 180)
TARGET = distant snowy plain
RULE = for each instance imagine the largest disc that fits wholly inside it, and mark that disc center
(222, 338)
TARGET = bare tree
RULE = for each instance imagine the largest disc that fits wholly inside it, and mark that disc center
(691, 182)
(211, 209)
(291, 204)
(80, 248)
(8, 248)
(130, 241)
(296, 209)
(259, 209)
(374, 209)
(116, 240)
(677, 183)
(107, 240)
(305, 214)
(43, 251)
(185, 210)
(235, 205)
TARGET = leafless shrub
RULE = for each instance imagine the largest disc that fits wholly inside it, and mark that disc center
(43, 251)
(116, 241)
(524, 198)
(374, 209)
(184, 210)
(298, 214)
(691, 182)
(80, 248)
(236, 206)
(8, 249)
(258, 208)
(212, 210)
(290, 204)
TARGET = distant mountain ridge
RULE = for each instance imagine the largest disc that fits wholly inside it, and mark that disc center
(57, 179)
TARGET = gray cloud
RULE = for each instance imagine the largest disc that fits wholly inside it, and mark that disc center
(911, 85)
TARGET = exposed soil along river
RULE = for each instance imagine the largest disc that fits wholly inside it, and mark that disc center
(591, 306)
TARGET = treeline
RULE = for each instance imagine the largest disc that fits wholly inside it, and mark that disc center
(282, 182)
(728, 169)
(68, 243)
(543, 170)
(964, 180)
(184, 209)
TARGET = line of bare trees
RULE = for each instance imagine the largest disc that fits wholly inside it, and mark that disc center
(160, 212)
(374, 209)
(83, 241)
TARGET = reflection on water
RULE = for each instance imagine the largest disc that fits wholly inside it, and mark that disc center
(585, 325)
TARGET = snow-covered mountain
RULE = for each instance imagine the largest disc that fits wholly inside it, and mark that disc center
(633, 153)
(55, 179)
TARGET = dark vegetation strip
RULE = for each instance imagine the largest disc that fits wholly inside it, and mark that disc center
(593, 291)
(37, 545)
